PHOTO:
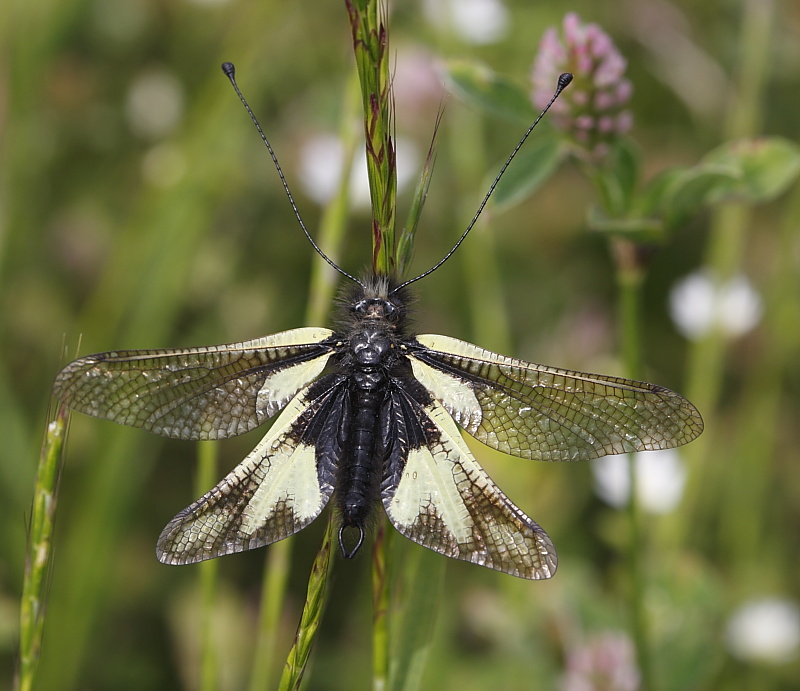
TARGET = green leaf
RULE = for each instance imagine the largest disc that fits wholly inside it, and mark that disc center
(532, 166)
(651, 199)
(405, 242)
(490, 92)
(694, 188)
(642, 229)
(676, 194)
(625, 158)
(765, 168)
(616, 179)
(748, 170)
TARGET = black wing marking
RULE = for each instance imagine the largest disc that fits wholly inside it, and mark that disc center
(282, 485)
(436, 494)
(196, 393)
(549, 414)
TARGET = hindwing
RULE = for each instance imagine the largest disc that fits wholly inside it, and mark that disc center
(196, 393)
(282, 485)
(436, 494)
(546, 413)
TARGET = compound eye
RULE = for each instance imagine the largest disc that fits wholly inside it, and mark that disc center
(390, 308)
(360, 307)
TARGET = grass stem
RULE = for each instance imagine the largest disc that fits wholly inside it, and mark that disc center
(299, 655)
(380, 610)
(207, 454)
(630, 276)
(37, 563)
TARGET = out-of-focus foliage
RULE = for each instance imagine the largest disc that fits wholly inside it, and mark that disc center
(138, 209)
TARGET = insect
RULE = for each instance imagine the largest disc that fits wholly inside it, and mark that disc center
(370, 414)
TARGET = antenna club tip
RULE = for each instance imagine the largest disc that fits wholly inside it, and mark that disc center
(229, 69)
(564, 80)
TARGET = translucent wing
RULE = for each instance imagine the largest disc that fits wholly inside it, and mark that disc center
(196, 393)
(436, 494)
(549, 414)
(282, 485)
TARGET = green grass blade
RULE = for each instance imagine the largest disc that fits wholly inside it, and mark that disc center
(370, 44)
(380, 609)
(405, 241)
(207, 454)
(34, 587)
(298, 657)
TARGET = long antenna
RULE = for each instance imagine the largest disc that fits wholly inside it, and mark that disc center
(563, 82)
(230, 72)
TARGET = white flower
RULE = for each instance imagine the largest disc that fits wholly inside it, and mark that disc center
(475, 21)
(154, 104)
(765, 630)
(698, 304)
(660, 479)
(322, 163)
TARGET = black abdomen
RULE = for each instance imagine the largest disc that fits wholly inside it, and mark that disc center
(360, 475)
(360, 471)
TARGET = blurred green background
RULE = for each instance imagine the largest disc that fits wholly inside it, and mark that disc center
(139, 210)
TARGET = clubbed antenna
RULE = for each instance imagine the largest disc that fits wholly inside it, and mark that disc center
(230, 72)
(563, 82)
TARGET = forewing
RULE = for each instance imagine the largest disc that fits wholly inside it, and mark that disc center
(549, 414)
(436, 494)
(196, 393)
(282, 485)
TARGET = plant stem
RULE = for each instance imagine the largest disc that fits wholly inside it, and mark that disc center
(207, 454)
(298, 657)
(331, 235)
(743, 527)
(725, 253)
(380, 609)
(40, 534)
(630, 276)
(273, 592)
(370, 44)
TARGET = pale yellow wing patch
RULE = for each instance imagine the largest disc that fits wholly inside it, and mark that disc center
(546, 413)
(454, 393)
(203, 393)
(445, 501)
(274, 492)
